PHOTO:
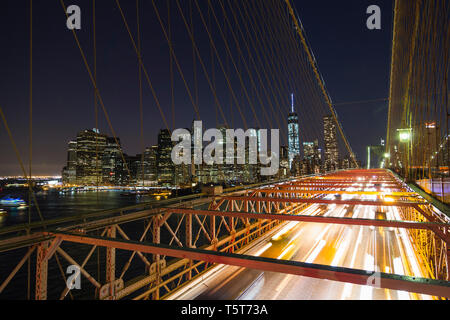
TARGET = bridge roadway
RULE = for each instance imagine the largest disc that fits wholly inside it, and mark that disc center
(383, 249)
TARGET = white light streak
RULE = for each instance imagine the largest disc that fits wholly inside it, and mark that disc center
(260, 251)
(316, 251)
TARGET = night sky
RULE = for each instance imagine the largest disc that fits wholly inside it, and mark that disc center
(354, 62)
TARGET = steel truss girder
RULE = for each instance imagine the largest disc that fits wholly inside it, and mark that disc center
(361, 277)
(317, 219)
(41, 271)
(332, 184)
(90, 278)
(339, 181)
(183, 262)
(325, 201)
(416, 205)
(306, 191)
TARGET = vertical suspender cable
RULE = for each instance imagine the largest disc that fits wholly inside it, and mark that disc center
(141, 107)
(95, 99)
(172, 83)
(194, 56)
(30, 137)
(391, 85)
(406, 121)
(95, 119)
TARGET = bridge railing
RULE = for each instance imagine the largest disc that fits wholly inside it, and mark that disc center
(28, 239)
(145, 252)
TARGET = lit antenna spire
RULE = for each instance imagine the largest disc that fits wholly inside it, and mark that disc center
(292, 102)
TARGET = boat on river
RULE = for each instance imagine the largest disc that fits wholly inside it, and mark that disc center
(9, 201)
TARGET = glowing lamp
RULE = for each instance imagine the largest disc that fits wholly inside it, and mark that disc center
(404, 134)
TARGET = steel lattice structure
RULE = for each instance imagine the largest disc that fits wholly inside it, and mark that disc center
(183, 240)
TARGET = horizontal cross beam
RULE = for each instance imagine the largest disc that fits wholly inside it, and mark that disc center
(298, 191)
(330, 184)
(432, 226)
(325, 201)
(315, 219)
(360, 277)
(345, 180)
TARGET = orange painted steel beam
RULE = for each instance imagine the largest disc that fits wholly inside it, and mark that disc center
(361, 277)
(331, 186)
(325, 201)
(363, 172)
(314, 219)
(356, 181)
(353, 178)
(328, 182)
(297, 191)
(387, 184)
(360, 174)
(318, 219)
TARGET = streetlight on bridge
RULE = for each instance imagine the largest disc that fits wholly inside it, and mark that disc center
(405, 135)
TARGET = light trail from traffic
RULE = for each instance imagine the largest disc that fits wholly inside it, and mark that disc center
(377, 249)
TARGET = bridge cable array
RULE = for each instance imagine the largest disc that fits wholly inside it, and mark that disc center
(256, 47)
(419, 88)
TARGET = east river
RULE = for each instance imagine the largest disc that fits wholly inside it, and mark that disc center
(54, 204)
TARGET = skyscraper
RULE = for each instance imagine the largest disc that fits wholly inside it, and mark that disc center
(164, 162)
(90, 147)
(150, 165)
(375, 156)
(133, 174)
(284, 163)
(113, 169)
(331, 146)
(70, 171)
(94, 159)
(308, 150)
(293, 133)
(181, 171)
(224, 170)
(196, 148)
(253, 170)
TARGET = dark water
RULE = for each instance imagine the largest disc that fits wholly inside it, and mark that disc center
(55, 205)
(52, 204)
